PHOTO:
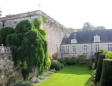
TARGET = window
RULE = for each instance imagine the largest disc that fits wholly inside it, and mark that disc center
(67, 49)
(85, 49)
(15, 22)
(96, 38)
(73, 49)
(109, 47)
(73, 41)
(97, 48)
(62, 49)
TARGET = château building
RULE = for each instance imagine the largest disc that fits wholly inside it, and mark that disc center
(55, 31)
(86, 42)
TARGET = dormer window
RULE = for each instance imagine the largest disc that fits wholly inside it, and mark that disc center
(96, 38)
(73, 41)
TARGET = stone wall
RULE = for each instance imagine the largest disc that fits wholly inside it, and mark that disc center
(8, 73)
(7, 70)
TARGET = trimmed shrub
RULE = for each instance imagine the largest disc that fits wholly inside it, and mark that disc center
(29, 47)
(70, 61)
(106, 77)
(108, 55)
(99, 67)
(81, 59)
(62, 60)
(56, 65)
(96, 59)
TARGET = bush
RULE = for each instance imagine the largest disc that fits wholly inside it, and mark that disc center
(4, 32)
(67, 61)
(70, 61)
(55, 56)
(62, 60)
(1, 84)
(81, 59)
(99, 67)
(34, 79)
(56, 65)
(10, 81)
(108, 55)
(93, 73)
(24, 83)
(106, 77)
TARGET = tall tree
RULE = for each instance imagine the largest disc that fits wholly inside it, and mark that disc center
(29, 47)
(87, 26)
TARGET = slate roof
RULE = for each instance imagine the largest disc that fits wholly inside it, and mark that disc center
(88, 36)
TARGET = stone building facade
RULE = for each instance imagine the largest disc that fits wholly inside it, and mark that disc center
(86, 42)
(55, 31)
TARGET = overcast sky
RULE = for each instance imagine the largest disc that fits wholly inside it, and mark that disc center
(70, 13)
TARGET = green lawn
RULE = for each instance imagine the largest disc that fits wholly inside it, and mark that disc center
(69, 76)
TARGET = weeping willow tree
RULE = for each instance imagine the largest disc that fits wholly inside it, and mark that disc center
(29, 47)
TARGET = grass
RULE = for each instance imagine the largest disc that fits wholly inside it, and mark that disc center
(69, 76)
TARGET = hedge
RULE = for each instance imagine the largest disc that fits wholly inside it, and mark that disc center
(96, 59)
(106, 77)
(99, 67)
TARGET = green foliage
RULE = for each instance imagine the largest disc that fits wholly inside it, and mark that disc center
(106, 76)
(81, 59)
(70, 61)
(88, 26)
(29, 47)
(102, 50)
(4, 32)
(93, 74)
(99, 66)
(12, 40)
(67, 61)
(96, 59)
(44, 19)
(10, 81)
(25, 83)
(109, 55)
(23, 26)
(55, 64)
(37, 23)
(1, 84)
(34, 79)
(62, 60)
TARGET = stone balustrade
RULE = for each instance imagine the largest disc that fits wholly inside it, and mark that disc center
(5, 50)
